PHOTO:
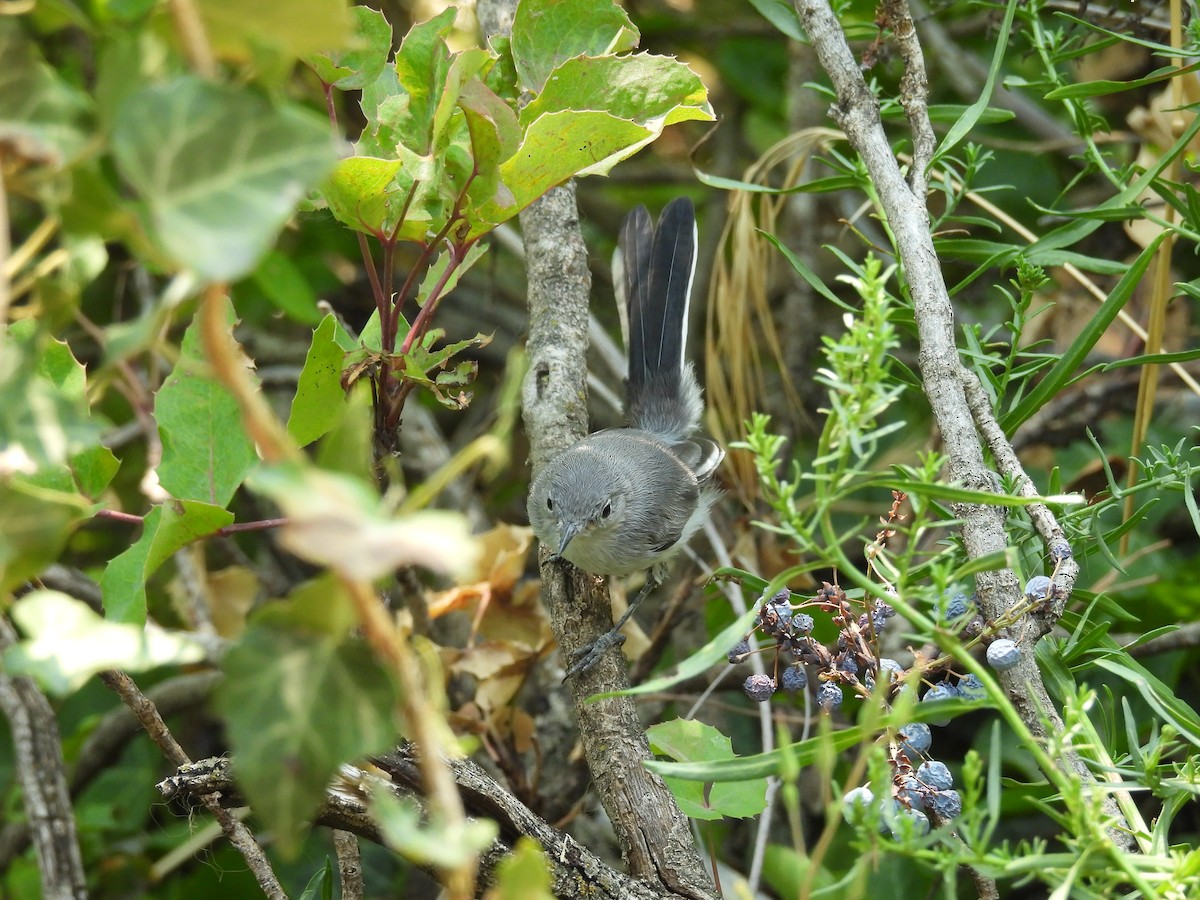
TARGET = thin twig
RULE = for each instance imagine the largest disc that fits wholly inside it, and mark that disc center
(239, 835)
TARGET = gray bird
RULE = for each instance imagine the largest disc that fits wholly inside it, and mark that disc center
(626, 500)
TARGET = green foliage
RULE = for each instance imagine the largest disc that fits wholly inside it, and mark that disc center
(300, 697)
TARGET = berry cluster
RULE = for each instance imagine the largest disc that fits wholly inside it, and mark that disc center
(921, 788)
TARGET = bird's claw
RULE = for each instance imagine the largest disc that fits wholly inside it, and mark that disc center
(583, 658)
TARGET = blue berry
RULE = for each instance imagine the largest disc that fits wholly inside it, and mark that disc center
(909, 792)
(793, 679)
(848, 664)
(856, 803)
(802, 623)
(739, 653)
(920, 823)
(943, 690)
(1038, 587)
(915, 739)
(958, 605)
(946, 804)
(1003, 654)
(889, 670)
(829, 696)
(759, 687)
(971, 688)
(934, 774)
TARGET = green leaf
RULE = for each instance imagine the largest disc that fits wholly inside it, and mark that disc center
(241, 31)
(546, 33)
(165, 529)
(361, 61)
(422, 68)
(34, 526)
(297, 705)
(320, 401)
(320, 886)
(66, 643)
(783, 16)
(976, 110)
(93, 469)
(642, 88)
(45, 418)
(1064, 370)
(523, 874)
(281, 280)
(686, 740)
(556, 147)
(206, 452)
(41, 117)
(364, 194)
(219, 168)
(426, 841)
(1102, 88)
(337, 521)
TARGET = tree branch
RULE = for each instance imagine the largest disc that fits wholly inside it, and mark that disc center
(42, 776)
(857, 112)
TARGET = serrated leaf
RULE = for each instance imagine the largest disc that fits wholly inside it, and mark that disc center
(220, 169)
(45, 418)
(296, 705)
(165, 529)
(422, 68)
(545, 33)
(364, 55)
(692, 741)
(556, 147)
(206, 452)
(337, 521)
(650, 90)
(66, 643)
(239, 30)
(320, 401)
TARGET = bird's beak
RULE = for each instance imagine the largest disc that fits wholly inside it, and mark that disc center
(568, 532)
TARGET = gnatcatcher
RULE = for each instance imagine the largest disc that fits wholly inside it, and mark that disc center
(625, 500)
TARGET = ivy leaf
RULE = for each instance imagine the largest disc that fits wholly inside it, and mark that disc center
(206, 452)
(546, 33)
(34, 527)
(219, 168)
(66, 643)
(423, 65)
(319, 402)
(651, 90)
(362, 59)
(363, 193)
(45, 418)
(165, 529)
(41, 116)
(691, 741)
(297, 704)
(336, 520)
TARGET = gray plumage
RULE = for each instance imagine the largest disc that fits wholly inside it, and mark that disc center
(624, 500)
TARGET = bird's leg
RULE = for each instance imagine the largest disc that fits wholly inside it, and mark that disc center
(587, 656)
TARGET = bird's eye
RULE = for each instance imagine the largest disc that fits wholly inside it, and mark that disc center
(550, 504)
(607, 511)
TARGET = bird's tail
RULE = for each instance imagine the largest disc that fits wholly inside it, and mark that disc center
(659, 264)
